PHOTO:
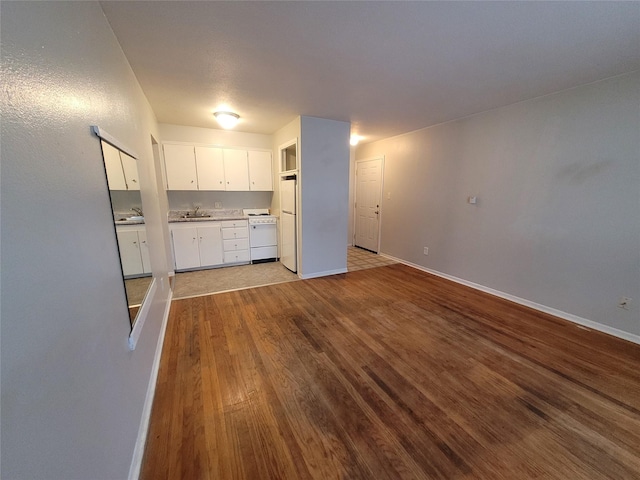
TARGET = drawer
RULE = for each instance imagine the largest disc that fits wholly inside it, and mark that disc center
(261, 253)
(236, 256)
(236, 232)
(235, 244)
(234, 224)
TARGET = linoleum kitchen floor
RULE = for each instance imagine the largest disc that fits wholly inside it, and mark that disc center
(205, 282)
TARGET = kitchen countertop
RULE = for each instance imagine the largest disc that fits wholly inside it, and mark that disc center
(205, 219)
(179, 216)
(207, 215)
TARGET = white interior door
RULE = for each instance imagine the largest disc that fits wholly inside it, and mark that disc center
(368, 198)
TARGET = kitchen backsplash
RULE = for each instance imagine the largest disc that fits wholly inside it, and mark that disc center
(187, 200)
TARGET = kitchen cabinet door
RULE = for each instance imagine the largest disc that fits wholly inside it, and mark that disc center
(130, 167)
(185, 247)
(210, 241)
(129, 245)
(210, 165)
(113, 165)
(236, 170)
(144, 251)
(180, 167)
(260, 171)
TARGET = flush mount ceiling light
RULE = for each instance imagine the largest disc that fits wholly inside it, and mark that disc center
(354, 140)
(227, 119)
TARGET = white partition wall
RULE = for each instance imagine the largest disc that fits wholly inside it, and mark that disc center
(324, 192)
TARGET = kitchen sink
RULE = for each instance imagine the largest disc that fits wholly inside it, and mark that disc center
(195, 216)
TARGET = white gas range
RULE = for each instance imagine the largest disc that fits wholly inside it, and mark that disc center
(263, 236)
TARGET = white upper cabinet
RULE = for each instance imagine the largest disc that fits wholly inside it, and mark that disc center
(236, 170)
(113, 164)
(210, 165)
(130, 167)
(260, 171)
(180, 165)
(189, 167)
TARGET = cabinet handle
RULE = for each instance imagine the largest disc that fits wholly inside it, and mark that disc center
(220, 182)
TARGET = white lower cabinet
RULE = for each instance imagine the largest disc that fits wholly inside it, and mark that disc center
(197, 246)
(134, 252)
(235, 237)
(210, 244)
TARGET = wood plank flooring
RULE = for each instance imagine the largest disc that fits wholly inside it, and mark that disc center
(388, 373)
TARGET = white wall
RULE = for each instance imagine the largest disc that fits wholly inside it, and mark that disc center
(72, 392)
(213, 136)
(557, 180)
(324, 192)
(187, 200)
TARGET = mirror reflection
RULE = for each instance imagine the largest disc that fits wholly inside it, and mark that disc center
(126, 204)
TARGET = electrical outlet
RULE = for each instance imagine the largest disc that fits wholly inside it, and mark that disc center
(624, 303)
(426, 250)
(217, 205)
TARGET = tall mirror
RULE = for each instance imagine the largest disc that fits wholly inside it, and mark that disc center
(128, 219)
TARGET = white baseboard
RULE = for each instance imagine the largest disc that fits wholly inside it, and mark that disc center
(138, 451)
(323, 274)
(527, 303)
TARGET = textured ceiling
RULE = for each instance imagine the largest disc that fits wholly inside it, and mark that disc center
(387, 67)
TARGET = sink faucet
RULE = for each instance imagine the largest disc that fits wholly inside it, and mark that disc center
(138, 210)
(195, 211)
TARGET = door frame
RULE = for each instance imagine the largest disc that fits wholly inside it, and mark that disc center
(355, 199)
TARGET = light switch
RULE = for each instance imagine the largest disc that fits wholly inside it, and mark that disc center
(472, 200)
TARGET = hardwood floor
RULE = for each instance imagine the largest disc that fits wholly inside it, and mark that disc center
(388, 373)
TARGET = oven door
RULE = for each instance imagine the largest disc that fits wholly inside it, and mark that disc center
(263, 240)
(263, 235)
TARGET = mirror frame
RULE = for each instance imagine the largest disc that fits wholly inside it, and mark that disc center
(111, 140)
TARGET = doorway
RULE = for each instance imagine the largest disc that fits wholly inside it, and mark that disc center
(368, 203)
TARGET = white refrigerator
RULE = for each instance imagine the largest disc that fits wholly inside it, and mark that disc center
(288, 231)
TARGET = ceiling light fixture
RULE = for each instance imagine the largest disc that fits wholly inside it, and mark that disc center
(354, 140)
(227, 120)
